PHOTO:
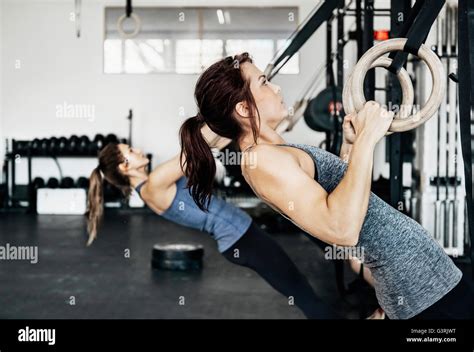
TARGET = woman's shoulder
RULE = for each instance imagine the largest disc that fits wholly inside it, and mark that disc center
(159, 199)
(267, 149)
(266, 157)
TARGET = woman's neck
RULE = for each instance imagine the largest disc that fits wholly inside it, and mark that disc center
(138, 177)
(267, 135)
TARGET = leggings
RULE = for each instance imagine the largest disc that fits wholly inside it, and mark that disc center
(456, 304)
(258, 251)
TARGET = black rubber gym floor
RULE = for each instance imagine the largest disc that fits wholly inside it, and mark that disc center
(73, 281)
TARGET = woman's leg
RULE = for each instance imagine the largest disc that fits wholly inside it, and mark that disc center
(356, 265)
(258, 251)
(456, 304)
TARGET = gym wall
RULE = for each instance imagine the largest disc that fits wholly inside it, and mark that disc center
(65, 69)
(44, 65)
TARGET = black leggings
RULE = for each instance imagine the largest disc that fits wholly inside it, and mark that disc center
(456, 304)
(259, 252)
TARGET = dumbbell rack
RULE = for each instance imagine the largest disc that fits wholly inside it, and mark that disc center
(12, 196)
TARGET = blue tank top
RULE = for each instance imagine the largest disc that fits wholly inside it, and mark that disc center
(223, 221)
(410, 269)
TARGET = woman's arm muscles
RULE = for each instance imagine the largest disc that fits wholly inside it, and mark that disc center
(349, 137)
(353, 192)
(334, 218)
(167, 173)
(345, 151)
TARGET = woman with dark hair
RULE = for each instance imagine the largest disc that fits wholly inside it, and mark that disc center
(327, 197)
(238, 238)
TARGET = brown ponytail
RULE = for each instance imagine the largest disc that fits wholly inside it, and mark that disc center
(108, 170)
(199, 163)
(95, 204)
(218, 90)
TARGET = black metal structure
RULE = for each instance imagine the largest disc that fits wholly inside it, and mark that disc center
(367, 43)
(394, 96)
(466, 101)
(320, 15)
(414, 25)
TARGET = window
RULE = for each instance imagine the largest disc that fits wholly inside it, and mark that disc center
(187, 40)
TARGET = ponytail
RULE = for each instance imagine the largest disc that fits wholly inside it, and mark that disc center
(218, 91)
(95, 204)
(199, 165)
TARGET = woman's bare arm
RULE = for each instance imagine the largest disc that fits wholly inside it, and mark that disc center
(345, 151)
(168, 172)
(337, 217)
(334, 218)
(349, 137)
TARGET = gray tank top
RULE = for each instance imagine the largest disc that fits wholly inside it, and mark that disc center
(410, 269)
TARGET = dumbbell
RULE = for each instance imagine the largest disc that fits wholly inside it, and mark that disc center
(18, 147)
(111, 138)
(73, 145)
(35, 146)
(53, 147)
(83, 146)
(52, 183)
(62, 146)
(21, 147)
(38, 182)
(82, 182)
(97, 144)
(66, 182)
(44, 146)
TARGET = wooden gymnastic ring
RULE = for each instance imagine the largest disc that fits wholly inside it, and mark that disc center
(405, 81)
(437, 72)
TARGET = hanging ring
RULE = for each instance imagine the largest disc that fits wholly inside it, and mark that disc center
(354, 96)
(128, 35)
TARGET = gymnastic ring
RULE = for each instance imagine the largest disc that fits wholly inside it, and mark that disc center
(138, 25)
(437, 72)
(405, 81)
(408, 94)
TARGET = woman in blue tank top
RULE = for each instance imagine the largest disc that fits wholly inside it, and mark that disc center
(238, 239)
(322, 194)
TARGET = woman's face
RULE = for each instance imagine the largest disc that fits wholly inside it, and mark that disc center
(134, 159)
(267, 96)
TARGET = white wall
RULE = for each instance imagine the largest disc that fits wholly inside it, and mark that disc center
(56, 67)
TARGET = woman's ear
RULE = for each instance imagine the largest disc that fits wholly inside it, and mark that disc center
(123, 167)
(242, 109)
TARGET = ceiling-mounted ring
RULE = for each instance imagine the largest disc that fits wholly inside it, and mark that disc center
(138, 25)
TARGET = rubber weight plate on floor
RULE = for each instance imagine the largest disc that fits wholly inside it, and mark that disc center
(181, 257)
